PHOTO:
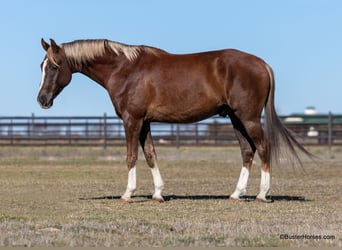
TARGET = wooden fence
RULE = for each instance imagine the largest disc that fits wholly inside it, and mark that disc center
(109, 130)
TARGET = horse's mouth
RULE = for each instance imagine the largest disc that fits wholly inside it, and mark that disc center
(46, 106)
(44, 103)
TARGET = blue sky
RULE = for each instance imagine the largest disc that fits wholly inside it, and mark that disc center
(300, 39)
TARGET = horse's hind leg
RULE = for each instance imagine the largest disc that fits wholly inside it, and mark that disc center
(256, 133)
(247, 152)
(251, 138)
(151, 159)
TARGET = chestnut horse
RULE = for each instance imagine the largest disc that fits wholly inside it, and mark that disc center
(147, 85)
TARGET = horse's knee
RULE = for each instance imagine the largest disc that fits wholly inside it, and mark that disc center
(131, 160)
(150, 159)
(247, 156)
(150, 156)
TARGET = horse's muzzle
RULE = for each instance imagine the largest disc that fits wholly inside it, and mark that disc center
(44, 101)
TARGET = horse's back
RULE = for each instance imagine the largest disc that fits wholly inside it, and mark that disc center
(192, 87)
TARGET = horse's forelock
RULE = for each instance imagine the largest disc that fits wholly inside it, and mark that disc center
(52, 59)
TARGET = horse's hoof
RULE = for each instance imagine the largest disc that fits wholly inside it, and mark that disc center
(158, 200)
(264, 200)
(125, 200)
(232, 199)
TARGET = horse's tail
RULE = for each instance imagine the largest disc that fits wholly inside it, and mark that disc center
(279, 138)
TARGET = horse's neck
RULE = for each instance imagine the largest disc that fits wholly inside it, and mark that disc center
(102, 70)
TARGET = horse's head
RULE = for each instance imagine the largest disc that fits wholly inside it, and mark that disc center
(56, 73)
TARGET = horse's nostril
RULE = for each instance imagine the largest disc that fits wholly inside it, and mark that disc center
(41, 99)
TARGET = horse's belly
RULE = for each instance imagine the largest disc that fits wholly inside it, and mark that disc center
(182, 113)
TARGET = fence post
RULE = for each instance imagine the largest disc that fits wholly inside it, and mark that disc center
(30, 128)
(69, 132)
(86, 128)
(196, 133)
(330, 131)
(105, 130)
(10, 131)
(177, 136)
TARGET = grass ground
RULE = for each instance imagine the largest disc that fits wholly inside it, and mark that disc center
(70, 197)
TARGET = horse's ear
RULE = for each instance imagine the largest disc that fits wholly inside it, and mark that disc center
(54, 46)
(45, 45)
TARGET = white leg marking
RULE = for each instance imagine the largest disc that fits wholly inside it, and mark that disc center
(264, 184)
(158, 183)
(132, 184)
(242, 184)
(43, 73)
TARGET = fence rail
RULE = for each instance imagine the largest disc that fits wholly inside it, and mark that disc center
(109, 130)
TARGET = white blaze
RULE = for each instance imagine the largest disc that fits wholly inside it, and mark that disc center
(43, 73)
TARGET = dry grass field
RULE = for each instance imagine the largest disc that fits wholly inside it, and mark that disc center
(70, 197)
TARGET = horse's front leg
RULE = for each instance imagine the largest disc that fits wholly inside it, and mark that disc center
(132, 130)
(146, 142)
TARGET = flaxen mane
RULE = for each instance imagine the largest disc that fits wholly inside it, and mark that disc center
(83, 51)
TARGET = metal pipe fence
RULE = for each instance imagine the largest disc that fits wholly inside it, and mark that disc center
(109, 130)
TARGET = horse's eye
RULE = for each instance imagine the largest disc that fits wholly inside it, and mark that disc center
(54, 67)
